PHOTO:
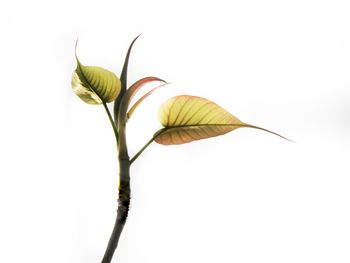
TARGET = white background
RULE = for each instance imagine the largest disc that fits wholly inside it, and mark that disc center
(244, 197)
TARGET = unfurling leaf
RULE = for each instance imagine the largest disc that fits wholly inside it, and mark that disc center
(188, 118)
(95, 85)
(134, 88)
(140, 100)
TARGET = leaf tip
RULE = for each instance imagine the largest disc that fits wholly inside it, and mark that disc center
(75, 48)
(266, 130)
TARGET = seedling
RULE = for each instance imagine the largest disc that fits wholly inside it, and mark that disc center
(184, 119)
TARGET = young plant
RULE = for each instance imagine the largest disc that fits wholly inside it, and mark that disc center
(184, 119)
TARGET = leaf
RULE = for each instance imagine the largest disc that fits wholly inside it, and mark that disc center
(123, 79)
(139, 101)
(189, 118)
(132, 91)
(95, 85)
(124, 74)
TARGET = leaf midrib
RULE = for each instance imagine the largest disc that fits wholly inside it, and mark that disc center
(86, 81)
(243, 125)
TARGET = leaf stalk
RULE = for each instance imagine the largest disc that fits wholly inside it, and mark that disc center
(116, 134)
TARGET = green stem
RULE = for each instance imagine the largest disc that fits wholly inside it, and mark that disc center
(141, 151)
(119, 123)
(112, 122)
(124, 185)
(159, 132)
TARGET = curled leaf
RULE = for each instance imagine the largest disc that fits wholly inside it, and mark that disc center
(132, 91)
(134, 88)
(124, 74)
(139, 101)
(124, 80)
(95, 85)
(188, 118)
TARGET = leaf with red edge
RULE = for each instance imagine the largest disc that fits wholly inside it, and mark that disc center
(139, 101)
(189, 118)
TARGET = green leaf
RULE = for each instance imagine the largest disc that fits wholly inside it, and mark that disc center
(124, 74)
(124, 80)
(188, 118)
(95, 85)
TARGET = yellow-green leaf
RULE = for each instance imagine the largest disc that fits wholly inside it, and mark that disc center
(188, 118)
(95, 85)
